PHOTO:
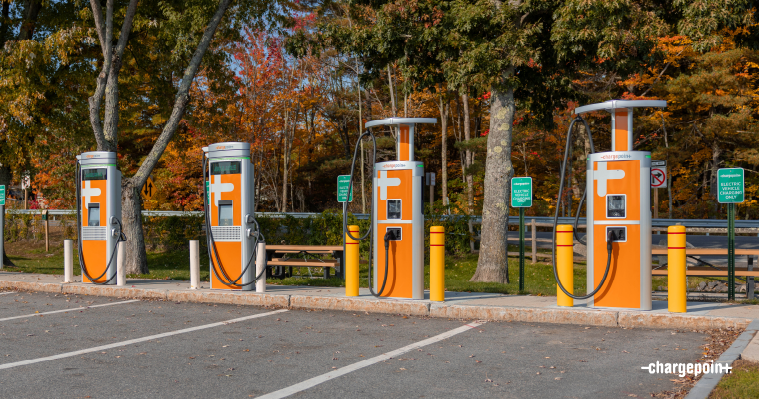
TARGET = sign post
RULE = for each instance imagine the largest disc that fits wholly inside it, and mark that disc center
(343, 186)
(521, 197)
(658, 180)
(430, 179)
(731, 189)
(2, 226)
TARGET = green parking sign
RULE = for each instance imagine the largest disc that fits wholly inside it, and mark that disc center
(343, 182)
(730, 185)
(2, 195)
(521, 192)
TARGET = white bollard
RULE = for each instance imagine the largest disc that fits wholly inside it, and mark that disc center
(261, 266)
(120, 265)
(68, 261)
(194, 264)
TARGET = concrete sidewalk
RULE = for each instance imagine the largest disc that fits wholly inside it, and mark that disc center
(458, 305)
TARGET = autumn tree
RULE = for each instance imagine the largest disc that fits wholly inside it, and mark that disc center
(189, 27)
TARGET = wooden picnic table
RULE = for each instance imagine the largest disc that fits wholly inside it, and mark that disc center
(704, 271)
(305, 251)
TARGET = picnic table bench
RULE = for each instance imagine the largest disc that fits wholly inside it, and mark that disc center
(290, 256)
(706, 271)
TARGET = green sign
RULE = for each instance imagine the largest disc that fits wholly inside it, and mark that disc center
(343, 182)
(730, 185)
(208, 195)
(521, 192)
(2, 195)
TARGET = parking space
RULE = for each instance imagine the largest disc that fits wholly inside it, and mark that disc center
(156, 348)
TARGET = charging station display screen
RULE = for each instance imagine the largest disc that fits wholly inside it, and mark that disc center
(226, 215)
(615, 206)
(95, 174)
(393, 209)
(93, 215)
(226, 168)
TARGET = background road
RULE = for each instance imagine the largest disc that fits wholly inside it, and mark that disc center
(275, 351)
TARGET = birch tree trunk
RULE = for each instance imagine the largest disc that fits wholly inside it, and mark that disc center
(444, 107)
(493, 264)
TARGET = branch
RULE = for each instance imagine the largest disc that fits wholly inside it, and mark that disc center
(112, 85)
(182, 98)
(97, 13)
(96, 100)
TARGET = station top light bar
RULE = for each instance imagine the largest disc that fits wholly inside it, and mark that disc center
(615, 104)
(400, 121)
(97, 157)
(221, 150)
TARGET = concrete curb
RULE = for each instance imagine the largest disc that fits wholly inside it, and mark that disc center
(751, 353)
(601, 318)
(708, 382)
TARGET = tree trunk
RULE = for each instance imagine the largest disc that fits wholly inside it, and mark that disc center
(393, 104)
(493, 263)
(131, 216)
(444, 108)
(469, 178)
(5, 180)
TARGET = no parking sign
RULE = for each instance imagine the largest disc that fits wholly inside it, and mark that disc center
(658, 174)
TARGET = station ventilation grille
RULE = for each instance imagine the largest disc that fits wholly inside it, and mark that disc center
(226, 233)
(94, 233)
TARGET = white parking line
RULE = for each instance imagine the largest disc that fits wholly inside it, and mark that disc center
(69, 310)
(6, 293)
(136, 340)
(310, 383)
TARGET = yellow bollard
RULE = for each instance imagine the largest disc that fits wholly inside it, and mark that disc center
(437, 263)
(351, 262)
(676, 291)
(565, 263)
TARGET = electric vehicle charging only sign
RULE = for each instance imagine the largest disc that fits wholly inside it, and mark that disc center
(730, 185)
(2, 195)
(343, 182)
(521, 192)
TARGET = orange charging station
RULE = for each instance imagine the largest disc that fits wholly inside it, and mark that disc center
(231, 230)
(98, 215)
(398, 215)
(619, 209)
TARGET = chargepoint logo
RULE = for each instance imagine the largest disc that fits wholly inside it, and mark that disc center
(682, 369)
(393, 165)
(614, 157)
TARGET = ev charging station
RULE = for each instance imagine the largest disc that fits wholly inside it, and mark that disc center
(98, 215)
(618, 213)
(398, 216)
(231, 229)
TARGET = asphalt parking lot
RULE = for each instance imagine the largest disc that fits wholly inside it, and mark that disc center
(95, 347)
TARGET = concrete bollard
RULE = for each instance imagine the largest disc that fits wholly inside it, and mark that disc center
(565, 263)
(351, 261)
(194, 264)
(121, 265)
(261, 267)
(68, 261)
(437, 263)
(677, 294)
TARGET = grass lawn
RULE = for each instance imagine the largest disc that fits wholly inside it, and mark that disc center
(743, 382)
